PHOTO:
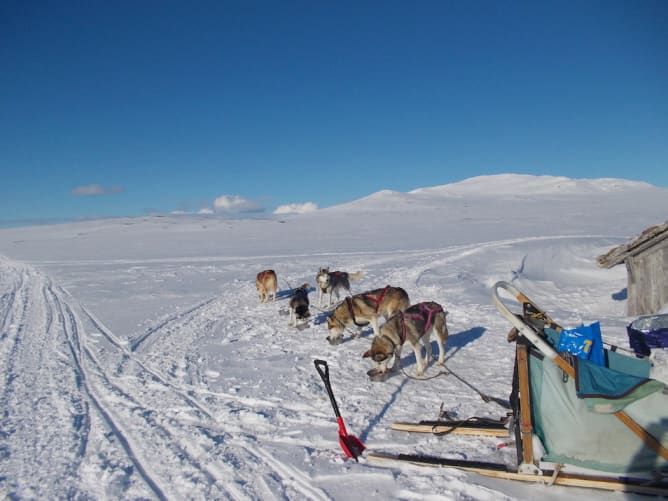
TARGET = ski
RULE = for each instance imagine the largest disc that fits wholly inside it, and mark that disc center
(478, 426)
(424, 460)
(549, 477)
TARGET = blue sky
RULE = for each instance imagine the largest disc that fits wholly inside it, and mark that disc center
(134, 107)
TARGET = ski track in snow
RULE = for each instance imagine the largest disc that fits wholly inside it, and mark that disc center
(146, 413)
(82, 378)
(39, 381)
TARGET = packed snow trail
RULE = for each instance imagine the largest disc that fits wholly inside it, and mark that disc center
(78, 404)
(41, 384)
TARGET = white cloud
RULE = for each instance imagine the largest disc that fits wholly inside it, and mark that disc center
(205, 211)
(94, 190)
(296, 208)
(235, 203)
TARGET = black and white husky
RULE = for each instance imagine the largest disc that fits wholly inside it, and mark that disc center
(331, 282)
(299, 305)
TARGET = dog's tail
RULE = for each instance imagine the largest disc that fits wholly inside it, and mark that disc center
(356, 275)
(302, 312)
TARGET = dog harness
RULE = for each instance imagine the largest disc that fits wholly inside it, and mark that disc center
(349, 302)
(424, 308)
(378, 300)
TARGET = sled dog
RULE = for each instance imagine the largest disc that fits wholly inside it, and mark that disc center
(267, 285)
(331, 282)
(410, 326)
(299, 304)
(363, 309)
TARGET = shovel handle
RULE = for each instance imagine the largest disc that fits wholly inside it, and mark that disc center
(323, 369)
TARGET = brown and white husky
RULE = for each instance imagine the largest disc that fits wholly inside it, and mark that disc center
(363, 309)
(411, 326)
(267, 285)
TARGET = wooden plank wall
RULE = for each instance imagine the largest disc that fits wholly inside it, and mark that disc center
(648, 280)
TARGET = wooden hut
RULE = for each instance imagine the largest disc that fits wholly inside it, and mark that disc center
(646, 258)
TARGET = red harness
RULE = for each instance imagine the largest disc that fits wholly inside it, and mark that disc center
(378, 300)
(419, 316)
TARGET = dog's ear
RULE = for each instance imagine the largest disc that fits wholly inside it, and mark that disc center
(366, 354)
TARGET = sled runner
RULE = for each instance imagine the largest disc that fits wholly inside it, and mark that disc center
(548, 477)
(579, 418)
(476, 426)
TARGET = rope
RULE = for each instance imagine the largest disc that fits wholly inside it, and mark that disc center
(415, 378)
(486, 398)
(292, 290)
(335, 306)
(446, 419)
(613, 347)
(453, 427)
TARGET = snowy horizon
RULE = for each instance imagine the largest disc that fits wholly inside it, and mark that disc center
(236, 207)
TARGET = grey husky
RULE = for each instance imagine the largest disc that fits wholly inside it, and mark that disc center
(331, 282)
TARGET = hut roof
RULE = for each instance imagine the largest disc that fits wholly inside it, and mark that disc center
(648, 238)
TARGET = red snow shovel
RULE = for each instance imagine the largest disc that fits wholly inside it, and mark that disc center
(351, 445)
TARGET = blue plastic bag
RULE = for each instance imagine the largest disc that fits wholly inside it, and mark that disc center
(584, 342)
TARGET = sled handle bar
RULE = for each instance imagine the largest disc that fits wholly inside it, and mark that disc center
(526, 330)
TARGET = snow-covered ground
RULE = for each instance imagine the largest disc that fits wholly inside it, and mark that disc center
(139, 364)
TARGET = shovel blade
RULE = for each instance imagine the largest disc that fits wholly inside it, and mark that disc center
(351, 445)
